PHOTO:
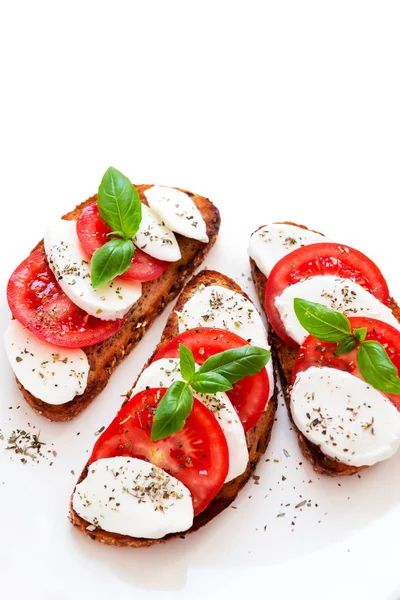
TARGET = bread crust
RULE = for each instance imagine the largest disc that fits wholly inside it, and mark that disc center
(105, 357)
(257, 438)
(284, 358)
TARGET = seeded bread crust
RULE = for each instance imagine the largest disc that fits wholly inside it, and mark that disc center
(105, 357)
(284, 358)
(257, 438)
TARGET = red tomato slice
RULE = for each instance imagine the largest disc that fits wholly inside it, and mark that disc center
(320, 259)
(250, 395)
(37, 302)
(92, 234)
(314, 353)
(197, 455)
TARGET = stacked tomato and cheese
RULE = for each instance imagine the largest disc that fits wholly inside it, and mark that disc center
(141, 488)
(331, 404)
(57, 312)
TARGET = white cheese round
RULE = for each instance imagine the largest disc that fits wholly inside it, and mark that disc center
(272, 242)
(346, 417)
(70, 265)
(133, 497)
(163, 372)
(178, 212)
(52, 374)
(342, 295)
(155, 239)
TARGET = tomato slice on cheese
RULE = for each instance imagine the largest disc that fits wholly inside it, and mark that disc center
(250, 395)
(197, 455)
(314, 353)
(37, 302)
(92, 234)
(321, 259)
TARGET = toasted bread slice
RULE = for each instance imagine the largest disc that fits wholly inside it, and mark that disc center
(284, 358)
(257, 438)
(105, 356)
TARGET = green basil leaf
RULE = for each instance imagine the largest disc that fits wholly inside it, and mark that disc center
(360, 333)
(187, 364)
(346, 345)
(111, 260)
(119, 203)
(210, 383)
(236, 363)
(377, 368)
(172, 412)
(321, 322)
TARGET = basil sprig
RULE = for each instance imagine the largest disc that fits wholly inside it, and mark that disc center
(120, 208)
(328, 325)
(217, 374)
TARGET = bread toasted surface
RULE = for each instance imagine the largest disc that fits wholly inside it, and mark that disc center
(105, 357)
(257, 438)
(284, 358)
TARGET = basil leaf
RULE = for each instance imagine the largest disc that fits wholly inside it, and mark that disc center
(111, 260)
(119, 203)
(236, 363)
(172, 412)
(323, 323)
(360, 333)
(187, 364)
(346, 346)
(210, 383)
(377, 368)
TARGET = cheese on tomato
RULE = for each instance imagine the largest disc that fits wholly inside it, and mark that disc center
(342, 295)
(178, 211)
(50, 373)
(164, 372)
(71, 267)
(155, 238)
(346, 417)
(132, 497)
(272, 242)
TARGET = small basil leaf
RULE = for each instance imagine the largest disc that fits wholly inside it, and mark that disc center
(111, 260)
(119, 203)
(187, 364)
(321, 322)
(115, 234)
(346, 346)
(172, 412)
(360, 333)
(236, 363)
(210, 383)
(377, 368)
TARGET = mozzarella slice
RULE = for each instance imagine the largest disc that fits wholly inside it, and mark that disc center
(216, 306)
(343, 415)
(342, 295)
(155, 239)
(70, 265)
(52, 374)
(163, 372)
(133, 497)
(272, 242)
(178, 212)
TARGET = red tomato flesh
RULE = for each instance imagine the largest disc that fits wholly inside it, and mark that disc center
(320, 259)
(37, 302)
(197, 455)
(314, 353)
(92, 234)
(250, 395)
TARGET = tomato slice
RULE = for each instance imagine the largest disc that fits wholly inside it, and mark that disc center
(197, 455)
(320, 259)
(92, 234)
(314, 353)
(250, 395)
(37, 302)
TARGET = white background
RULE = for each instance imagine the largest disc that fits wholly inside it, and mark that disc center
(276, 111)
